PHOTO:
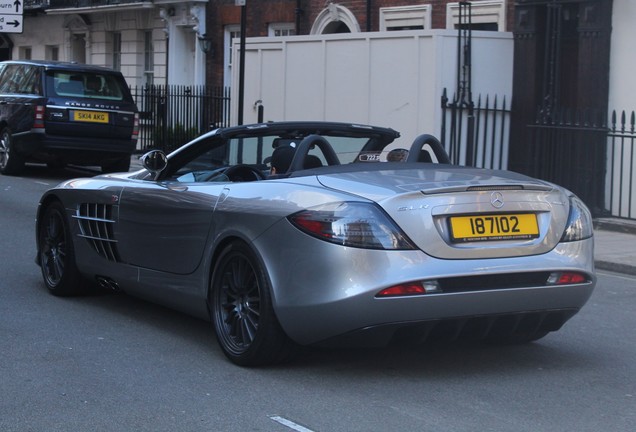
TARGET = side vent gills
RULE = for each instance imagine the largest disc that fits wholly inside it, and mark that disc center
(96, 225)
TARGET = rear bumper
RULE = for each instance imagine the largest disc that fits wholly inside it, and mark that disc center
(329, 292)
(376, 322)
(38, 145)
(478, 327)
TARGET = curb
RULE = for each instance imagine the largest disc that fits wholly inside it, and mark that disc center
(615, 267)
(615, 225)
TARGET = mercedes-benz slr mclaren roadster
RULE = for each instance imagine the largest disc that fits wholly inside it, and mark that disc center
(316, 233)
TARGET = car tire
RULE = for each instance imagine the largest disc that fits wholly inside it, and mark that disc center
(56, 254)
(241, 310)
(120, 165)
(11, 163)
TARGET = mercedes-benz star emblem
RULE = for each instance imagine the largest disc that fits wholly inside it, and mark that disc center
(496, 199)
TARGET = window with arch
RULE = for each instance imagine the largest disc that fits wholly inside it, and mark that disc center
(335, 19)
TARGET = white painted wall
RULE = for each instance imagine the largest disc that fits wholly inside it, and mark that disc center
(393, 79)
(620, 188)
(622, 93)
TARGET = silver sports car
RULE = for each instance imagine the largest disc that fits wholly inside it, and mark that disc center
(317, 233)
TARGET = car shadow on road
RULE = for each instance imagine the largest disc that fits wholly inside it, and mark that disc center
(42, 171)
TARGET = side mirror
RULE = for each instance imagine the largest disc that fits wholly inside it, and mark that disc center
(154, 161)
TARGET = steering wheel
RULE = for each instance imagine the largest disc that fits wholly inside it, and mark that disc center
(298, 163)
(243, 173)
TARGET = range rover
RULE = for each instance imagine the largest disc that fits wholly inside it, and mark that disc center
(62, 113)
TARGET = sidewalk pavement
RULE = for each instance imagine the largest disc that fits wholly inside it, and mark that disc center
(614, 240)
(615, 245)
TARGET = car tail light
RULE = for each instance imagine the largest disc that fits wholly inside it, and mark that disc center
(360, 225)
(38, 120)
(579, 225)
(135, 132)
(567, 278)
(410, 289)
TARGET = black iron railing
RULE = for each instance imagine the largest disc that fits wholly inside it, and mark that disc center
(172, 115)
(621, 162)
(476, 134)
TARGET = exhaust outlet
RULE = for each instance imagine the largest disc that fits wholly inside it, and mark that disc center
(107, 283)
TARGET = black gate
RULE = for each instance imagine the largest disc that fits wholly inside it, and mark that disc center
(569, 149)
(561, 87)
(476, 134)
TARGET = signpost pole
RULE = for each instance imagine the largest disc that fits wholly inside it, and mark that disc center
(241, 92)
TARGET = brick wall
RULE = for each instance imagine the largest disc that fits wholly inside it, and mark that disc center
(260, 13)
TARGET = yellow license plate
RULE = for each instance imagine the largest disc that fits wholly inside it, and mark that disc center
(494, 227)
(90, 116)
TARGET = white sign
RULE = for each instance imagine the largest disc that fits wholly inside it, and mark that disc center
(236, 2)
(11, 16)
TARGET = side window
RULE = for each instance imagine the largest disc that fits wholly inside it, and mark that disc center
(3, 78)
(10, 78)
(31, 81)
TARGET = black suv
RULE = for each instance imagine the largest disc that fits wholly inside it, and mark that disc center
(65, 113)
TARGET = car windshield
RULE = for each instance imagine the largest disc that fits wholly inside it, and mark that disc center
(258, 151)
(86, 85)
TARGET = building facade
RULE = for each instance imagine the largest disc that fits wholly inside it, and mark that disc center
(150, 42)
(190, 42)
(314, 17)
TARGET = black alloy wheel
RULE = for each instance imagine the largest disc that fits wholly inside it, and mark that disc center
(56, 255)
(241, 310)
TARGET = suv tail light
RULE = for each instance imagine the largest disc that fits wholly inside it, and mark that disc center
(135, 132)
(38, 120)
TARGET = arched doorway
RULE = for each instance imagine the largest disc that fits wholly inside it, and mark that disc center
(335, 19)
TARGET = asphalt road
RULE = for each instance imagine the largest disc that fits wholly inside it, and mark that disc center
(109, 362)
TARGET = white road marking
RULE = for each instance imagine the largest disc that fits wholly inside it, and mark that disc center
(290, 424)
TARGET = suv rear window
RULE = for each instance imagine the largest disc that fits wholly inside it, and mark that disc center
(86, 85)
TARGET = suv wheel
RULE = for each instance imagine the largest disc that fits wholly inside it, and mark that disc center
(11, 163)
